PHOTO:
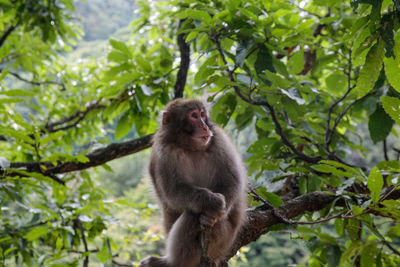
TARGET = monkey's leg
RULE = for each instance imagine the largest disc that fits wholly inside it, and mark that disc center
(222, 264)
(169, 218)
(222, 237)
(183, 244)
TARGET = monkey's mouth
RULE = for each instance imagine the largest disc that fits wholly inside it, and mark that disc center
(206, 138)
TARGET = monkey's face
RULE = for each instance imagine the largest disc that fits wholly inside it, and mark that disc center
(185, 123)
(195, 124)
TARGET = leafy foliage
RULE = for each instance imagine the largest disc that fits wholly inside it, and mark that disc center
(302, 77)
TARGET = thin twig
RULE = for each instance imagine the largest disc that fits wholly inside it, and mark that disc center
(337, 121)
(82, 252)
(77, 116)
(395, 251)
(328, 131)
(278, 126)
(388, 193)
(258, 197)
(385, 152)
(6, 34)
(79, 224)
(19, 77)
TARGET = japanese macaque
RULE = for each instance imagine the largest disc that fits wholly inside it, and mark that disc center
(200, 181)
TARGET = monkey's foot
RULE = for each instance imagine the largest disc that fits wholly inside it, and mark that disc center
(152, 261)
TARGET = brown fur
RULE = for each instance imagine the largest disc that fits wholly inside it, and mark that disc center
(197, 185)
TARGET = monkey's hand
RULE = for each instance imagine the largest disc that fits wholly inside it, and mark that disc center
(214, 211)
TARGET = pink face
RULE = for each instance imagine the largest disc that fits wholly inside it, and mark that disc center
(202, 132)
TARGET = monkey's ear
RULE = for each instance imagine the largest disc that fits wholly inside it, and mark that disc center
(165, 118)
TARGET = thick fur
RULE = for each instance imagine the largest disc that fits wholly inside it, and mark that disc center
(194, 183)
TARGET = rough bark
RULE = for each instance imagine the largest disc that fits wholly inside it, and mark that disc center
(258, 221)
(96, 158)
(184, 49)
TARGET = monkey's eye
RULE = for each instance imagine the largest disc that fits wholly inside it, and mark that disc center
(203, 114)
(194, 115)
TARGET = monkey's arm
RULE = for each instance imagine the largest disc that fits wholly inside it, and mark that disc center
(180, 195)
(231, 177)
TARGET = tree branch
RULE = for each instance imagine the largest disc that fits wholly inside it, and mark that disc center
(19, 77)
(80, 227)
(328, 131)
(184, 49)
(258, 220)
(6, 34)
(278, 127)
(337, 121)
(96, 158)
(79, 116)
(391, 247)
(385, 152)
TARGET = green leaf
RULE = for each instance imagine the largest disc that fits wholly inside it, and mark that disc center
(242, 50)
(59, 244)
(353, 227)
(392, 70)
(199, 15)
(334, 254)
(243, 119)
(264, 61)
(296, 62)
(143, 64)
(341, 166)
(51, 137)
(124, 126)
(107, 167)
(146, 90)
(204, 71)
(380, 124)
(330, 169)
(36, 175)
(3, 74)
(272, 198)
(391, 105)
(249, 14)
(18, 135)
(18, 119)
(396, 47)
(375, 184)
(293, 94)
(81, 158)
(104, 254)
(191, 36)
(368, 254)
(370, 71)
(336, 83)
(9, 250)
(37, 232)
(17, 92)
(121, 47)
(223, 109)
(11, 100)
(277, 80)
(117, 56)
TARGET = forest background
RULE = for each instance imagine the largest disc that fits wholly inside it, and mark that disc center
(308, 90)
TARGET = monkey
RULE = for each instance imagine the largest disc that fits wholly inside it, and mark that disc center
(200, 181)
